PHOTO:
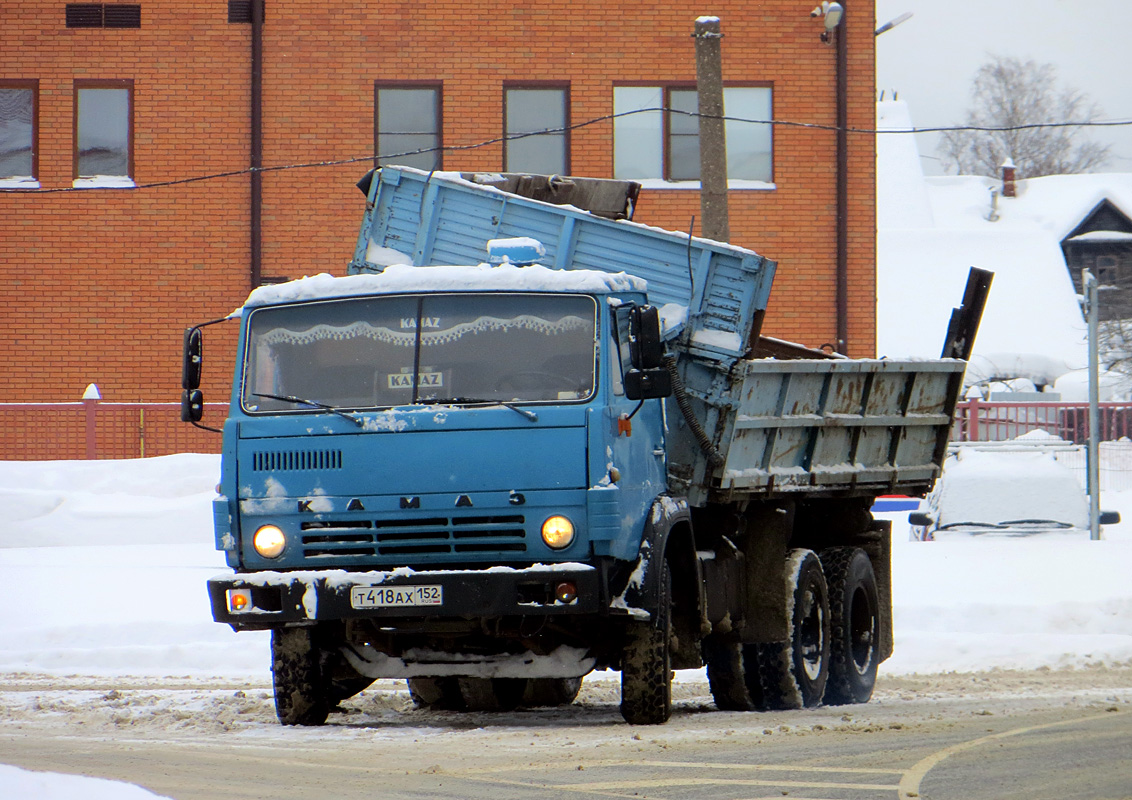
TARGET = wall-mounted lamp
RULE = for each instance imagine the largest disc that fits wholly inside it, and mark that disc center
(831, 14)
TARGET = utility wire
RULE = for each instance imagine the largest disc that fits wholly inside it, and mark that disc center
(584, 124)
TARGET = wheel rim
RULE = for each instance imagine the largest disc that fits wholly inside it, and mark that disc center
(810, 635)
(862, 631)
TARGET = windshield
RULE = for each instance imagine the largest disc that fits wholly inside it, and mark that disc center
(411, 349)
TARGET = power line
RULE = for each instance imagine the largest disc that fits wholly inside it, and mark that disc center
(576, 126)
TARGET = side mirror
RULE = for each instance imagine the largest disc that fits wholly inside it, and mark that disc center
(192, 405)
(646, 350)
(920, 518)
(1109, 517)
(646, 384)
(191, 359)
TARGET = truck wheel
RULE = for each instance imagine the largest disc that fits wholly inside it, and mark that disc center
(551, 691)
(492, 694)
(793, 674)
(733, 675)
(441, 694)
(646, 663)
(296, 669)
(854, 610)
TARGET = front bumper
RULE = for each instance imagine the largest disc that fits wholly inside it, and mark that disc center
(288, 597)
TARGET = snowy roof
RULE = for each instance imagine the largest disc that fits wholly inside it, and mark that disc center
(401, 278)
(931, 230)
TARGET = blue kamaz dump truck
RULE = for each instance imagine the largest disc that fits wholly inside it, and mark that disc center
(492, 478)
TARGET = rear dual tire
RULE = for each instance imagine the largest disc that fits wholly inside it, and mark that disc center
(854, 610)
(793, 674)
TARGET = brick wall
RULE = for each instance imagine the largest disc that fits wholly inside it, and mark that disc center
(101, 283)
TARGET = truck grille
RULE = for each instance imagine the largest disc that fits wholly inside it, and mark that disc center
(414, 536)
(295, 460)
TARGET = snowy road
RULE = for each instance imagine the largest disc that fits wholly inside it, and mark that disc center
(1045, 734)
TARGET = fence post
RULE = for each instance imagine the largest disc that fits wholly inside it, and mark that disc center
(91, 398)
(973, 419)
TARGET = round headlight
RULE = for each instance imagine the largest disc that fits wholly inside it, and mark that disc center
(558, 532)
(269, 541)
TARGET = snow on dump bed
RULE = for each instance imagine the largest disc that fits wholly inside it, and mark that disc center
(482, 277)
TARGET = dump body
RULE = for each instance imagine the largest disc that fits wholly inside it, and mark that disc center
(777, 425)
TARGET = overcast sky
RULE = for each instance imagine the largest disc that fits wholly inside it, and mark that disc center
(931, 59)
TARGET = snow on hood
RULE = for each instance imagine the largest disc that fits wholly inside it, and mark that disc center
(400, 278)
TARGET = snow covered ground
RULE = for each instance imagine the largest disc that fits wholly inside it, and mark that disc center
(103, 566)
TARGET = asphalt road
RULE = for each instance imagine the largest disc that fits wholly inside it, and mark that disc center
(1059, 736)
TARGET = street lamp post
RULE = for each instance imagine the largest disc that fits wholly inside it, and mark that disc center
(1093, 484)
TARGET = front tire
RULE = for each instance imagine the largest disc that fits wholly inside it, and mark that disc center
(646, 663)
(545, 692)
(793, 674)
(301, 696)
(854, 606)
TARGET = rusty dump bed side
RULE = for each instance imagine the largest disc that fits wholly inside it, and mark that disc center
(836, 425)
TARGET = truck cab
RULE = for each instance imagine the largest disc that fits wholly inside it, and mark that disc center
(410, 453)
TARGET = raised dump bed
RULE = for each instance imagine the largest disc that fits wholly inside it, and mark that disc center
(744, 425)
(446, 219)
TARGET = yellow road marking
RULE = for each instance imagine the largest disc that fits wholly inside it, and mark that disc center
(701, 781)
(910, 782)
(687, 765)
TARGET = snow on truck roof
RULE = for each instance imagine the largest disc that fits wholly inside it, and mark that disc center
(401, 278)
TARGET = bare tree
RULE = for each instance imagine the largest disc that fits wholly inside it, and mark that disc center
(1008, 93)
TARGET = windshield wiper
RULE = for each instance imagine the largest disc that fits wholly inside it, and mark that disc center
(950, 525)
(433, 401)
(287, 398)
(1052, 523)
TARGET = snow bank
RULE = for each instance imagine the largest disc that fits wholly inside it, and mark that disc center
(18, 784)
(106, 563)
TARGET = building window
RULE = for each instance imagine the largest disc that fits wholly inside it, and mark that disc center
(99, 15)
(407, 125)
(533, 110)
(1108, 270)
(662, 139)
(19, 111)
(104, 130)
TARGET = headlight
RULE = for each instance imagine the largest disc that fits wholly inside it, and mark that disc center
(558, 532)
(269, 541)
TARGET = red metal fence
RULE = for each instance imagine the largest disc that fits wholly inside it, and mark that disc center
(94, 429)
(981, 421)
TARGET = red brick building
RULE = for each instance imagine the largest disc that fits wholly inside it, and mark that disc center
(126, 133)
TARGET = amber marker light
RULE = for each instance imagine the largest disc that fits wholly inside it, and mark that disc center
(269, 541)
(239, 600)
(558, 532)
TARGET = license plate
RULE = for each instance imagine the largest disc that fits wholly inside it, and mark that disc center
(395, 596)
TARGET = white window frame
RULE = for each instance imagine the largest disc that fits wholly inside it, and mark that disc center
(643, 135)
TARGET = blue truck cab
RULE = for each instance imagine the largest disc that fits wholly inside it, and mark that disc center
(429, 445)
